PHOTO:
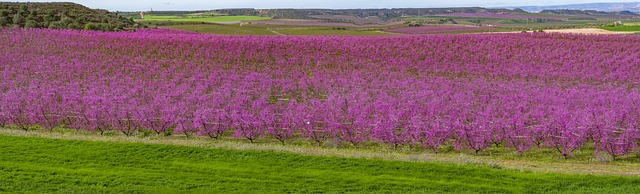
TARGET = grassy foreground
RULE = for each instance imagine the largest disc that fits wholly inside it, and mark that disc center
(30, 164)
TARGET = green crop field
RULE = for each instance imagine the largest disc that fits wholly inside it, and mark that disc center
(206, 19)
(223, 29)
(161, 17)
(625, 28)
(31, 164)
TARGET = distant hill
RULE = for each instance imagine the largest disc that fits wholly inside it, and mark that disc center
(605, 7)
(60, 16)
(383, 14)
(354, 16)
(588, 12)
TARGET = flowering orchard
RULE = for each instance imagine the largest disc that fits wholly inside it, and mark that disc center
(320, 23)
(441, 29)
(525, 90)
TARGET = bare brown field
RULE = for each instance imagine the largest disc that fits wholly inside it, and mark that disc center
(587, 31)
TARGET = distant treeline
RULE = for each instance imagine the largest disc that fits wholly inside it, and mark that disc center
(61, 16)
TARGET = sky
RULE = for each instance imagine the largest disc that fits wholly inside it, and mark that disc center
(142, 5)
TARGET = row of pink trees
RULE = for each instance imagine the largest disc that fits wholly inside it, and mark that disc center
(382, 119)
(471, 92)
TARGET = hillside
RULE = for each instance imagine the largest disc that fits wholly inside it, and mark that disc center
(383, 14)
(60, 16)
(606, 7)
(588, 12)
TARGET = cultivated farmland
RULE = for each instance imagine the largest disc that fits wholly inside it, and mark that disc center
(559, 92)
(442, 29)
(205, 19)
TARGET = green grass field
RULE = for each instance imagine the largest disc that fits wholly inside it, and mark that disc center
(224, 29)
(206, 19)
(40, 165)
(625, 28)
